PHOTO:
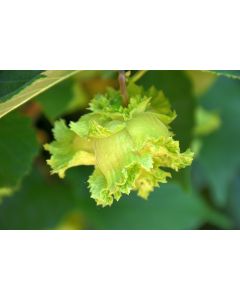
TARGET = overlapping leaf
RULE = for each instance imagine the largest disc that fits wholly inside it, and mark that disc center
(18, 87)
(40, 204)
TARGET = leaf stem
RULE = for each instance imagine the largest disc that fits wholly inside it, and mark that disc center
(123, 88)
(137, 76)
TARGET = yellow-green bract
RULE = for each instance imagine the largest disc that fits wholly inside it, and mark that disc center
(130, 147)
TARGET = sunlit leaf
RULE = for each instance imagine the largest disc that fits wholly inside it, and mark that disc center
(18, 87)
(234, 74)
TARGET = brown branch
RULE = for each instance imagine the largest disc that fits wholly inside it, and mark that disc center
(123, 88)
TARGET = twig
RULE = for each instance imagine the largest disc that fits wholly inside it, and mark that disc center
(123, 88)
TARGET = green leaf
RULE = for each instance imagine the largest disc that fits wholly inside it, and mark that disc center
(65, 97)
(18, 87)
(168, 207)
(233, 205)
(39, 204)
(219, 155)
(55, 101)
(18, 148)
(234, 74)
(201, 81)
(206, 121)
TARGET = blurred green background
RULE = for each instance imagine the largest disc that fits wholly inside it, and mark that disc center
(203, 196)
